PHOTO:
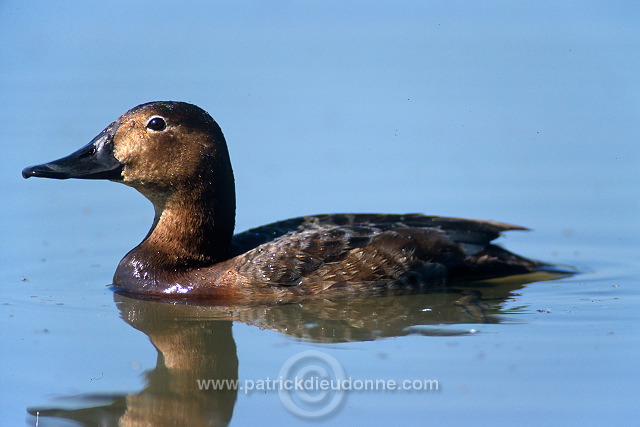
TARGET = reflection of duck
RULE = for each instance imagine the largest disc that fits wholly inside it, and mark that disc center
(189, 349)
(175, 154)
(195, 342)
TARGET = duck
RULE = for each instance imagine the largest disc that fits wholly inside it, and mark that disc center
(175, 154)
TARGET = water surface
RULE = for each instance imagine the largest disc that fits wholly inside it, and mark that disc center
(523, 113)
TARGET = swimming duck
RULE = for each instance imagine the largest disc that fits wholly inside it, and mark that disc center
(175, 154)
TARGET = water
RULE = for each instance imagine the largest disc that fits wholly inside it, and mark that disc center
(524, 113)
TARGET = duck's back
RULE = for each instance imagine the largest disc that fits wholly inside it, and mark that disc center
(343, 253)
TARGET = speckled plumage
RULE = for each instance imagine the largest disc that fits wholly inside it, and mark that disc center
(346, 252)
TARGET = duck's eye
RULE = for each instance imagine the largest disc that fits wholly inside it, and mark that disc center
(157, 123)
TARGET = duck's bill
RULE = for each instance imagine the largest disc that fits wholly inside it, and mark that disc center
(93, 161)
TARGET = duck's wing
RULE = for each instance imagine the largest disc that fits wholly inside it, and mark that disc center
(464, 230)
(342, 250)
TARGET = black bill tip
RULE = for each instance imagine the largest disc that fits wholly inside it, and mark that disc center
(42, 171)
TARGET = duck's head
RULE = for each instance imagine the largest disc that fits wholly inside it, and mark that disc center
(158, 148)
(174, 153)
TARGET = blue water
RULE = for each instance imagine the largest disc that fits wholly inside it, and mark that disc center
(514, 111)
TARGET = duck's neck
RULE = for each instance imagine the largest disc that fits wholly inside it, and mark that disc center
(192, 229)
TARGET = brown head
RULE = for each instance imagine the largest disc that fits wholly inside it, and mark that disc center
(175, 154)
(169, 147)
